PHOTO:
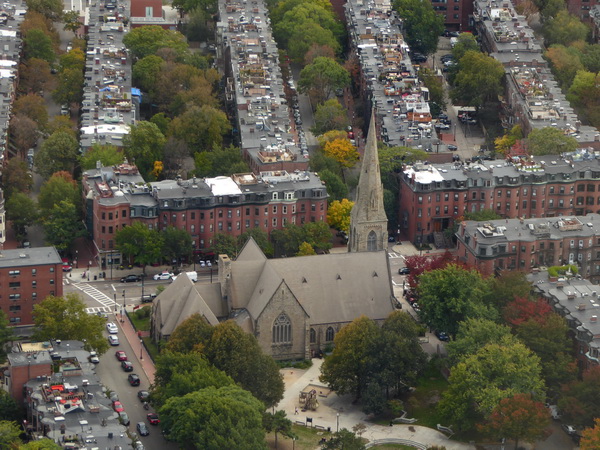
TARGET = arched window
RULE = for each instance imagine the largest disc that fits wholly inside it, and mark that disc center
(329, 334)
(313, 336)
(372, 242)
(282, 330)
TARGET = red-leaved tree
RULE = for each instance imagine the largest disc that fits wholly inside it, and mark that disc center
(521, 309)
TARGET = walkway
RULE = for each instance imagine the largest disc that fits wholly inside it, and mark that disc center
(132, 337)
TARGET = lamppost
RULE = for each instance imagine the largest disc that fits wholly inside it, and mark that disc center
(77, 259)
(143, 278)
(338, 422)
(111, 264)
(115, 300)
(141, 348)
(123, 310)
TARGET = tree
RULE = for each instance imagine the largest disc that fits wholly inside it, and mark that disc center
(201, 128)
(9, 434)
(34, 75)
(565, 63)
(330, 115)
(69, 89)
(58, 153)
(24, 133)
(584, 95)
(435, 86)
(421, 264)
(210, 6)
(22, 212)
(146, 71)
(347, 370)
(177, 244)
(16, 178)
(522, 309)
(34, 107)
(479, 79)
(450, 295)
(465, 42)
(215, 418)
(322, 78)
(317, 50)
(42, 444)
(6, 335)
(60, 187)
(317, 234)
(278, 423)
(474, 334)
(63, 225)
(66, 318)
(147, 40)
(107, 154)
(220, 162)
(590, 438)
(549, 8)
(481, 380)
(139, 243)
(344, 440)
(238, 354)
(338, 214)
(342, 151)
(144, 144)
(422, 25)
(564, 29)
(505, 143)
(225, 244)
(336, 188)
(310, 34)
(519, 418)
(580, 399)
(178, 374)
(191, 335)
(9, 410)
(71, 21)
(52, 9)
(482, 215)
(507, 287)
(39, 45)
(306, 249)
(199, 27)
(260, 237)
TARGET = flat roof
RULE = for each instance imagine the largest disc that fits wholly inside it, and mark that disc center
(23, 257)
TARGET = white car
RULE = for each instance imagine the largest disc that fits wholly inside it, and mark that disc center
(113, 340)
(163, 276)
(112, 328)
(93, 358)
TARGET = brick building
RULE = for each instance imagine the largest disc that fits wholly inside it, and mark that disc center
(457, 13)
(516, 244)
(117, 196)
(28, 276)
(434, 196)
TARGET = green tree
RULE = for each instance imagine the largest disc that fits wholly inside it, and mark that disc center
(34, 107)
(16, 178)
(481, 380)
(336, 188)
(277, 422)
(60, 187)
(220, 162)
(580, 399)
(225, 244)
(422, 25)
(22, 212)
(519, 418)
(304, 14)
(564, 29)
(311, 33)
(39, 45)
(465, 42)
(201, 128)
(450, 295)
(139, 243)
(344, 440)
(505, 143)
(108, 155)
(238, 354)
(177, 244)
(330, 115)
(63, 225)
(6, 335)
(210, 6)
(317, 234)
(147, 40)
(479, 79)
(42, 444)
(191, 335)
(214, 419)
(483, 215)
(199, 27)
(392, 159)
(306, 249)
(9, 434)
(584, 95)
(347, 370)
(260, 237)
(71, 21)
(322, 77)
(58, 153)
(474, 334)
(9, 410)
(550, 141)
(508, 286)
(51, 9)
(590, 57)
(144, 145)
(66, 318)
(73, 59)
(178, 374)
(146, 71)
(338, 214)
(565, 63)
(549, 8)
(69, 89)
(435, 86)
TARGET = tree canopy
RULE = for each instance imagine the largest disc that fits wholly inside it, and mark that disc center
(479, 79)
(580, 399)
(338, 214)
(58, 153)
(147, 40)
(144, 145)
(22, 212)
(564, 29)
(329, 116)
(108, 155)
(474, 334)
(60, 187)
(342, 151)
(550, 141)
(322, 77)
(423, 25)
(143, 245)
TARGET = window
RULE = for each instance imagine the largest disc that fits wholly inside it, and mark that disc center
(14, 273)
(313, 336)
(15, 308)
(282, 330)
(274, 209)
(329, 334)
(14, 284)
(34, 272)
(51, 280)
(124, 214)
(14, 296)
(372, 242)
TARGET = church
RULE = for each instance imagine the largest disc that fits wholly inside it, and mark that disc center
(296, 306)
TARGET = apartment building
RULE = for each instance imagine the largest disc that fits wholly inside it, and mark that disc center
(457, 13)
(526, 244)
(28, 276)
(433, 197)
(582, 8)
(117, 196)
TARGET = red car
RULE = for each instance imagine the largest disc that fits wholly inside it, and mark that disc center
(153, 418)
(121, 356)
(118, 407)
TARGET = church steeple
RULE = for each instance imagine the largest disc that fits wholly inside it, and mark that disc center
(368, 222)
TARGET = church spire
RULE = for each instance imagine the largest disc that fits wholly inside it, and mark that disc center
(368, 222)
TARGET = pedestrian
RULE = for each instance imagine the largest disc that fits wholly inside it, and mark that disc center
(296, 412)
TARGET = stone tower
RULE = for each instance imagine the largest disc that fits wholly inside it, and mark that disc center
(368, 222)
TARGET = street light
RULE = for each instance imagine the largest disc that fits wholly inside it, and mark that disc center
(115, 300)
(123, 310)
(338, 422)
(141, 348)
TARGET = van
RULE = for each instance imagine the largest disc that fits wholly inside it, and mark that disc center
(191, 275)
(453, 41)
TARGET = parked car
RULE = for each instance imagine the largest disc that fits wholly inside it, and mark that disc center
(93, 358)
(419, 57)
(143, 395)
(442, 336)
(153, 418)
(118, 406)
(120, 355)
(452, 147)
(127, 366)
(131, 279)
(163, 276)
(124, 418)
(113, 340)
(569, 429)
(66, 266)
(142, 429)
(112, 328)
(554, 412)
(148, 298)
(403, 270)
(133, 379)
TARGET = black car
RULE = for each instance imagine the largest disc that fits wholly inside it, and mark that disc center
(131, 279)
(419, 58)
(143, 395)
(142, 429)
(403, 270)
(452, 148)
(133, 379)
(442, 336)
(127, 366)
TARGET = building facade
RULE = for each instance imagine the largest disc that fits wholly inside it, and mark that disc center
(28, 276)
(458, 14)
(433, 197)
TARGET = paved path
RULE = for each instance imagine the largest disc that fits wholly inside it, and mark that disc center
(132, 337)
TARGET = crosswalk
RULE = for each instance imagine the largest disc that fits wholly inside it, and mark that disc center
(97, 295)
(98, 309)
(394, 255)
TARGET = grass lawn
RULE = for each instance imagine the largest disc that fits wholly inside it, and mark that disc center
(151, 347)
(140, 323)
(394, 446)
(307, 439)
(430, 386)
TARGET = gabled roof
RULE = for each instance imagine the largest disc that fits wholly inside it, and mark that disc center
(245, 273)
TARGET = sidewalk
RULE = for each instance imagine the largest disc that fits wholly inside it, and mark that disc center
(133, 339)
